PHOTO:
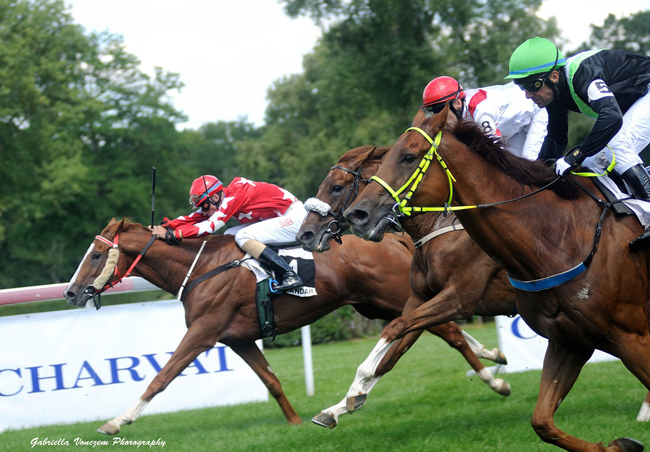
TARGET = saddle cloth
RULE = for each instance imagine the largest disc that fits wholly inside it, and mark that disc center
(306, 269)
(640, 208)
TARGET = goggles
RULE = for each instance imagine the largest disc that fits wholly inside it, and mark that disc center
(435, 108)
(534, 85)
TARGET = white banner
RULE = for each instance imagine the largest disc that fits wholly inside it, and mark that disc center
(86, 365)
(524, 348)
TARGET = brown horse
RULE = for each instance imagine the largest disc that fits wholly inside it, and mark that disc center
(604, 307)
(450, 276)
(222, 309)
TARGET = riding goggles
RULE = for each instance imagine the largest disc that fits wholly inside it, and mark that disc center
(436, 108)
(534, 85)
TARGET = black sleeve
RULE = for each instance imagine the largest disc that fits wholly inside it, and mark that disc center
(590, 80)
(556, 139)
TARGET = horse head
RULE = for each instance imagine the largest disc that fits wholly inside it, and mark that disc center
(100, 267)
(380, 207)
(345, 180)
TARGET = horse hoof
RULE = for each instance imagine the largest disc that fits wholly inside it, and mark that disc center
(504, 389)
(628, 444)
(324, 420)
(354, 403)
(109, 428)
(501, 358)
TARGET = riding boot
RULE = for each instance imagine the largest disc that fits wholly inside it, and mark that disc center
(638, 181)
(286, 277)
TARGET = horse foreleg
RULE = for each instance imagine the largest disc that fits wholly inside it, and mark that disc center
(363, 383)
(562, 365)
(250, 353)
(197, 340)
(456, 338)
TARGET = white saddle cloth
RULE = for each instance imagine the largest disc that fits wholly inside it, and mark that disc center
(640, 208)
(261, 275)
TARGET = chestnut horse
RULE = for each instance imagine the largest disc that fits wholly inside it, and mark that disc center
(223, 309)
(450, 276)
(603, 304)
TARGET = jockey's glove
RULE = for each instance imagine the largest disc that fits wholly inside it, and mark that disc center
(573, 160)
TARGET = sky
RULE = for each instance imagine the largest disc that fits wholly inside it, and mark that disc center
(229, 52)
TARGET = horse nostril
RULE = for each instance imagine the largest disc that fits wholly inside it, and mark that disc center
(70, 295)
(358, 216)
(306, 236)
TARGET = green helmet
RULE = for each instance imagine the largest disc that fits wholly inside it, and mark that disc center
(535, 56)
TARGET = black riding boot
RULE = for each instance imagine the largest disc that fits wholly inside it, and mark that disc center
(638, 181)
(286, 277)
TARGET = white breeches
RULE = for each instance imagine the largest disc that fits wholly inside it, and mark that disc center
(274, 230)
(633, 138)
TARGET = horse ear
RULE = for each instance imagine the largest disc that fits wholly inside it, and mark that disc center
(418, 119)
(120, 225)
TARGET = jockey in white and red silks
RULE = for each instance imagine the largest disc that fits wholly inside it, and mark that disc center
(269, 215)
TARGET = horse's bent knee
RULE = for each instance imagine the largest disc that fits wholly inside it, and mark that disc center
(544, 428)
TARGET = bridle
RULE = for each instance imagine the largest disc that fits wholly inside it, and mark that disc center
(338, 224)
(101, 284)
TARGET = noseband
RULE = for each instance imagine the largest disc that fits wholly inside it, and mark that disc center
(338, 224)
(101, 283)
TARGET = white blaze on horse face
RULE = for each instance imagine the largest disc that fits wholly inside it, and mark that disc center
(76, 273)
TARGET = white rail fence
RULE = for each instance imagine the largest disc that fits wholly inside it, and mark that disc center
(83, 365)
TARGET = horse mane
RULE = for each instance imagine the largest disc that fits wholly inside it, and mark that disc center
(525, 172)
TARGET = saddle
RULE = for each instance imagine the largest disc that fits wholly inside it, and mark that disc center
(264, 294)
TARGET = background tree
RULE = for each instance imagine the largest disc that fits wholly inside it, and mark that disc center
(363, 82)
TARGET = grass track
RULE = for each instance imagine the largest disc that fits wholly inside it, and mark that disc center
(426, 404)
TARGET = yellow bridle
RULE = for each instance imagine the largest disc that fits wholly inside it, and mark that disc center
(417, 176)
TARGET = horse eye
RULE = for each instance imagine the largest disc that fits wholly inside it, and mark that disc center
(96, 256)
(337, 188)
(409, 158)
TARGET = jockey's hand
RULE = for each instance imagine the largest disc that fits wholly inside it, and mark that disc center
(562, 167)
(160, 231)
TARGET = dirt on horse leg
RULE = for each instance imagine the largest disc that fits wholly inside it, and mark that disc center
(250, 353)
(195, 342)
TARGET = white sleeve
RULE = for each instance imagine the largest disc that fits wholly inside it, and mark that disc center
(487, 116)
(537, 130)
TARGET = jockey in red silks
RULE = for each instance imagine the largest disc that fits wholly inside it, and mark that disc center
(502, 110)
(269, 215)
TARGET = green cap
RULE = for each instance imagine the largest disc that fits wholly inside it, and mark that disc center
(535, 56)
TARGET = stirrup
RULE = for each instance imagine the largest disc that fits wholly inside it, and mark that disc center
(641, 241)
(288, 283)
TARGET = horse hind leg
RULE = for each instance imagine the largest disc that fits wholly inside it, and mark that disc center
(494, 355)
(467, 346)
(252, 355)
(644, 412)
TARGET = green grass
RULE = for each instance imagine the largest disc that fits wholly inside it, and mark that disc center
(426, 404)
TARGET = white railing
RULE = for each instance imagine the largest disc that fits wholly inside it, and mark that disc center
(132, 285)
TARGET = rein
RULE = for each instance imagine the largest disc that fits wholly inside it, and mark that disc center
(338, 224)
(98, 287)
(400, 209)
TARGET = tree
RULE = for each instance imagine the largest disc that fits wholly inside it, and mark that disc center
(81, 126)
(363, 82)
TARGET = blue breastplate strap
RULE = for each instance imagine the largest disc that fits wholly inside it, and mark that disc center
(550, 282)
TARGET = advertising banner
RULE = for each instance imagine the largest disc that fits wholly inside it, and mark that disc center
(524, 348)
(86, 365)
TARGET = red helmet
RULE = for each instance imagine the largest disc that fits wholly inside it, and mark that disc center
(202, 188)
(442, 89)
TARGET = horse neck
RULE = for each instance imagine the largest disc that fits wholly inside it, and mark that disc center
(543, 234)
(162, 265)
